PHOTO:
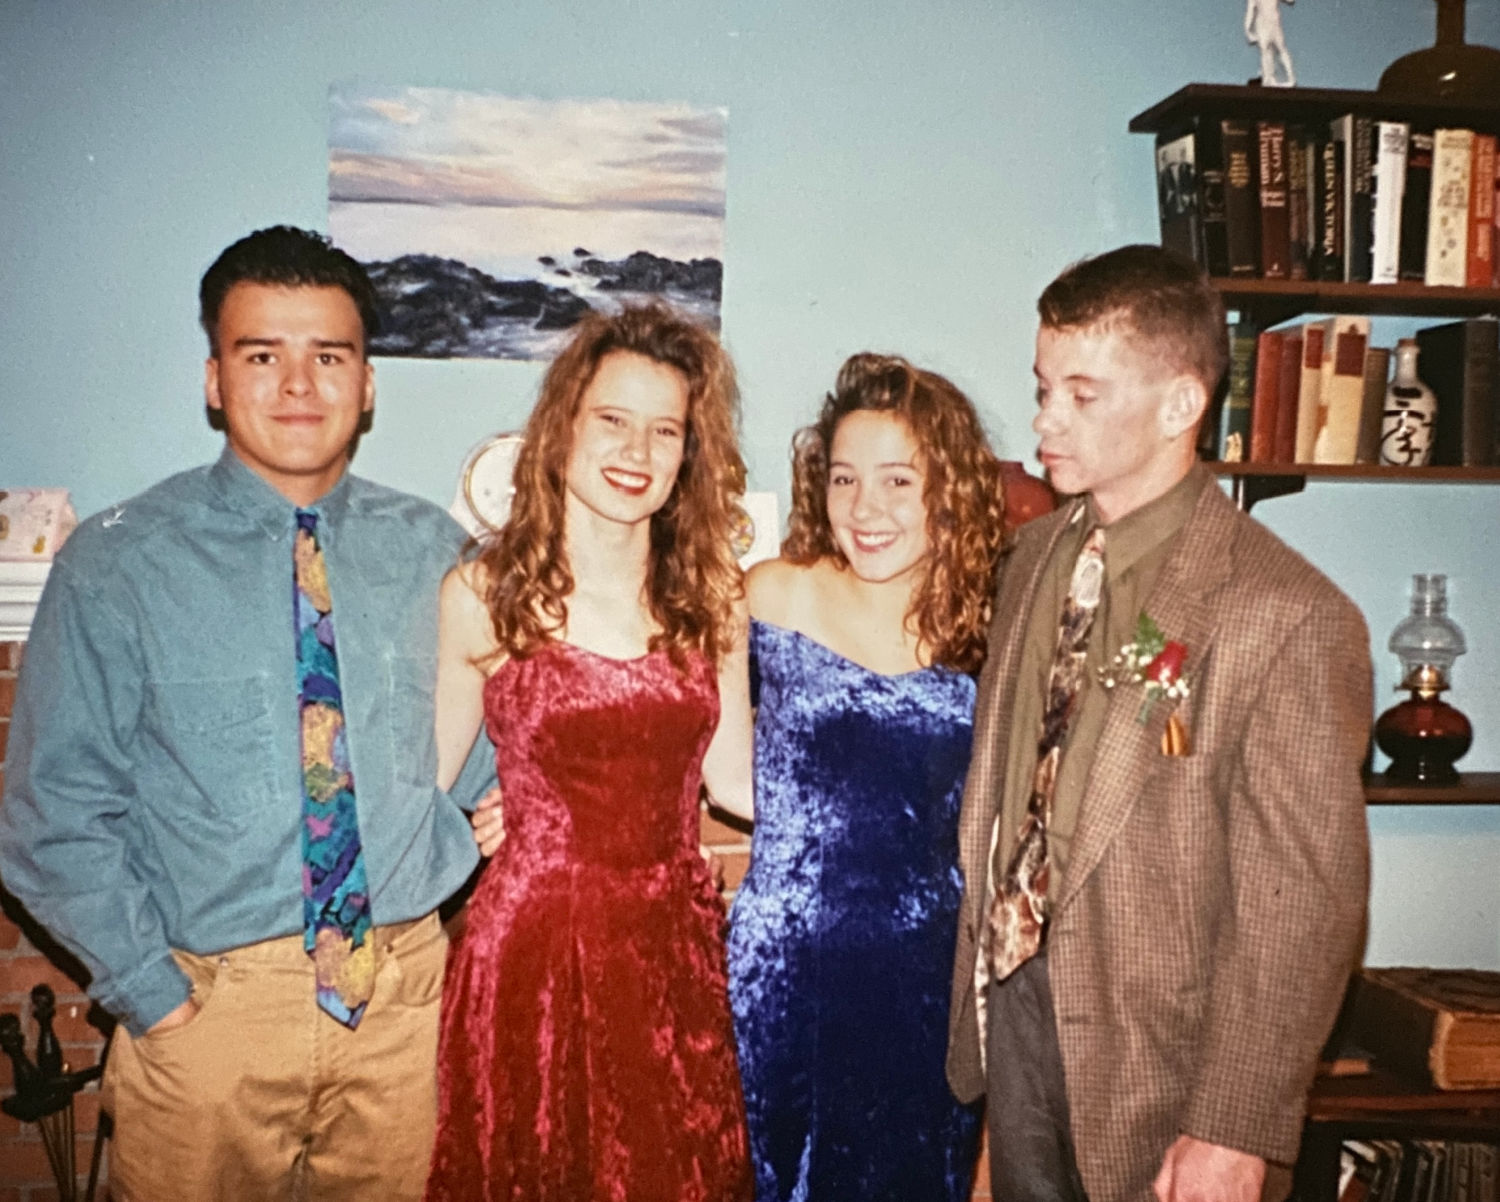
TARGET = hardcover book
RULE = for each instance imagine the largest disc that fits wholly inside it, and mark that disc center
(1331, 244)
(1460, 362)
(1448, 209)
(1241, 199)
(1268, 350)
(1372, 409)
(1387, 187)
(1275, 228)
(1177, 196)
(1284, 447)
(1234, 426)
(1481, 260)
(1441, 1026)
(1342, 390)
(1298, 213)
(1314, 334)
(1208, 148)
(1414, 203)
(1356, 135)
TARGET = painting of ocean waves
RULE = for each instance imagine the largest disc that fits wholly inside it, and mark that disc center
(491, 224)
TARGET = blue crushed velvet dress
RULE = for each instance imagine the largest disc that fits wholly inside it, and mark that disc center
(841, 938)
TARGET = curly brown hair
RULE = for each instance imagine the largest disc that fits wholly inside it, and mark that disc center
(692, 578)
(951, 604)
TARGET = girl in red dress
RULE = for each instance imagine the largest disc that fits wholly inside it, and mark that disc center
(586, 1050)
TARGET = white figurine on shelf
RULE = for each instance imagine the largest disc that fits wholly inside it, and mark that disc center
(1263, 28)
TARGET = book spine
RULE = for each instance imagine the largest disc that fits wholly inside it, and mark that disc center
(1268, 349)
(1275, 232)
(1284, 449)
(1414, 204)
(1241, 199)
(1388, 184)
(1360, 229)
(1314, 334)
(1481, 262)
(1448, 209)
(1331, 246)
(1377, 378)
(1234, 436)
(1298, 216)
(1209, 149)
(1341, 395)
(1177, 196)
(1460, 362)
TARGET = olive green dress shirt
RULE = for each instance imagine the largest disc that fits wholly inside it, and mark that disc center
(1135, 548)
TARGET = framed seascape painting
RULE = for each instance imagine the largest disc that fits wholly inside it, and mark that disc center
(491, 224)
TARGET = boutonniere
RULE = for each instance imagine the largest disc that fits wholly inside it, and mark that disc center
(1154, 662)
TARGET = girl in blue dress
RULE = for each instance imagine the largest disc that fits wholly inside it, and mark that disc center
(866, 636)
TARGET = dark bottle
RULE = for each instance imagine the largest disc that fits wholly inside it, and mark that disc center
(1452, 69)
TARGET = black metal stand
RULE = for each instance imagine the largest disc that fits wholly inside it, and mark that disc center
(44, 1093)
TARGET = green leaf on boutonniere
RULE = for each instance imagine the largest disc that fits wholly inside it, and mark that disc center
(1149, 639)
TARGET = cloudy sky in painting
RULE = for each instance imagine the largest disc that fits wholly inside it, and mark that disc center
(437, 146)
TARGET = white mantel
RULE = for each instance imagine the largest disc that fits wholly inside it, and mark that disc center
(21, 584)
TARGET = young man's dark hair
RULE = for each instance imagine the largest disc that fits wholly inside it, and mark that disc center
(1165, 301)
(293, 258)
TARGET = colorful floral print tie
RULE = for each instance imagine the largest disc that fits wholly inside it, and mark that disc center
(335, 895)
(1018, 917)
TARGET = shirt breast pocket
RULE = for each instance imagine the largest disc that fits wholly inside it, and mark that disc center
(214, 741)
(410, 690)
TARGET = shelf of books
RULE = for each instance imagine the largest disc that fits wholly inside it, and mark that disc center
(1357, 204)
(1338, 187)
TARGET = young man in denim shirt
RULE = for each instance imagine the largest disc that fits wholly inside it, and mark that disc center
(227, 810)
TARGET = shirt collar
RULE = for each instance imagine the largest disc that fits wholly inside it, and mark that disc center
(1142, 530)
(238, 488)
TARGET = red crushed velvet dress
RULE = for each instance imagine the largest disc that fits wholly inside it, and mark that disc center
(586, 1050)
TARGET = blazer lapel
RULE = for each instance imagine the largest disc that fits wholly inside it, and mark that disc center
(1181, 604)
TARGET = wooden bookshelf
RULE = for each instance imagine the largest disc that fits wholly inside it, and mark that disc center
(1378, 1105)
(1270, 302)
(1306, 104)
(1472, 789)
(1253, 482)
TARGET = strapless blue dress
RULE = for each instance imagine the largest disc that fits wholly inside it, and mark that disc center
(841, 938)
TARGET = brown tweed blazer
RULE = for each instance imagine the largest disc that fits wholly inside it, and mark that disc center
(1213, 903)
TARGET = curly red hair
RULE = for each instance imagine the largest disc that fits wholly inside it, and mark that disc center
(692, 578)
(951, 605)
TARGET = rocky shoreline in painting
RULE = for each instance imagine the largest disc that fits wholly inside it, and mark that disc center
(436, 308)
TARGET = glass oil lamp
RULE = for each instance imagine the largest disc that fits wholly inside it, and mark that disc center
(1424, 735)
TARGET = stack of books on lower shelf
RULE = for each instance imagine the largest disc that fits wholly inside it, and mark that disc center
(1439, 1028)
(1355, 200)
(1418, 1170)
(1315, 393)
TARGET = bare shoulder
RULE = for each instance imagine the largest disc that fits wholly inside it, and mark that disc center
(464, 616)
(778, 590)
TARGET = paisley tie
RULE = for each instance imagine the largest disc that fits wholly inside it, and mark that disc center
(335, 895)
(1018, 917)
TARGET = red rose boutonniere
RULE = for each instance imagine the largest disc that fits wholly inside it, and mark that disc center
(1154, 662)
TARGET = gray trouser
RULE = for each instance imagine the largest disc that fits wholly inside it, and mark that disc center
(1031, 1138)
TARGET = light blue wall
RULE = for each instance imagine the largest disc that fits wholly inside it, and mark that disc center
(902, 176)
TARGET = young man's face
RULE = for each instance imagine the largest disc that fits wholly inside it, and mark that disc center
(291, 380)
(1112, 422)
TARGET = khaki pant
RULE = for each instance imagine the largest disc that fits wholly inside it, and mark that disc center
(263, 1096)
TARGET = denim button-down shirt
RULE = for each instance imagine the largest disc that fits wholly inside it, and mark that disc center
(153, 785)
